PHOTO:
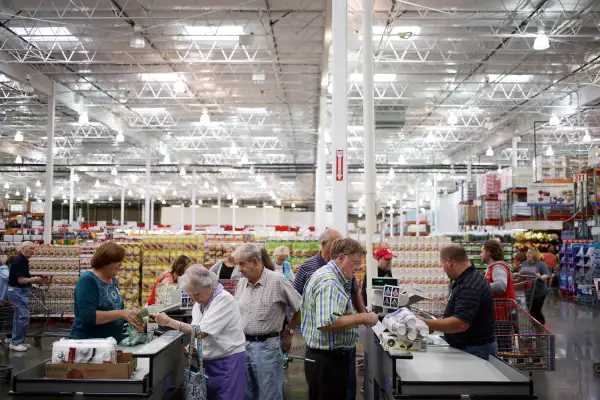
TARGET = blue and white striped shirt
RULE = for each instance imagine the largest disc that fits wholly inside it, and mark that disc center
(327, 297)
(308, 268)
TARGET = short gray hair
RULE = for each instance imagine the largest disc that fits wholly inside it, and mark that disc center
(248, 251)
(281, 251)
(26, 244)
(327, 235)
(198, 277)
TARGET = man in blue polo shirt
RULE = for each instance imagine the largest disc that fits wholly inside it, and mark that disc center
(468, 322)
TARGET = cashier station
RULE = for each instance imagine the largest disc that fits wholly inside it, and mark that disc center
(159, 373)
(440, 372)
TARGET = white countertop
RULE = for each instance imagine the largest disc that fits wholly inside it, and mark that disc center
(446, 364)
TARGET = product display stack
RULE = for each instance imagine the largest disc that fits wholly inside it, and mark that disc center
(417, 261)
(159, 253)
(578, 269)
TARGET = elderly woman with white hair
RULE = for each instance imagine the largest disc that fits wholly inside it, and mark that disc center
(223, 340)
(282, 265)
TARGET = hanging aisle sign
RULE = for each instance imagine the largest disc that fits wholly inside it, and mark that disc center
(339, 165)
(550, 194)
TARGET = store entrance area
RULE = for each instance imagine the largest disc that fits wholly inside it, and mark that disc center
(576, 327)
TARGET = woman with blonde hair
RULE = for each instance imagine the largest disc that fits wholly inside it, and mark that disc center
(534, 267)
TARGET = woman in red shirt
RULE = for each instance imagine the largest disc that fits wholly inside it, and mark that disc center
(179, 266)
(551, 261)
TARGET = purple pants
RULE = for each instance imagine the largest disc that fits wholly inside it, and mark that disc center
(226, 377)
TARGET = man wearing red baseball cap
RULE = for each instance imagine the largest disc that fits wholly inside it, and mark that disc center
(384, 268)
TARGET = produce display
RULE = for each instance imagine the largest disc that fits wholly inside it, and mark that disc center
(542, 240)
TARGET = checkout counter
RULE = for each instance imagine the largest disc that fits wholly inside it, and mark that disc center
(159, 373)
(440, 372)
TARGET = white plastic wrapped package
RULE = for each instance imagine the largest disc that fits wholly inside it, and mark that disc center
(85, 351)
(404, 324)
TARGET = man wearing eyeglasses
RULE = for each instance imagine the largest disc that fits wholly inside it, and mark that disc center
(330, 324)
(468, 322)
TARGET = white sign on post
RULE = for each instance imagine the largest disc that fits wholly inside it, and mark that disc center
(550, 194)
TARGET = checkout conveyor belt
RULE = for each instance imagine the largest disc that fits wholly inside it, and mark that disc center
(159, 375)
(441, 372)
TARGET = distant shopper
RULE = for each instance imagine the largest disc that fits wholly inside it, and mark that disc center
(178, 268)
(263, 296)
(223, 343)
(330, 324)
(282, 265)
(4, 273)
(99, 307)
(384, 269)
(308, 268)
(468, 322)
(551, 260)
(226, 268)
(534, 267)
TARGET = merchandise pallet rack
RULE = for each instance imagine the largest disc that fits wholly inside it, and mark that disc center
(473, 250)
(579, 266)
(586, 208)
(508, 200)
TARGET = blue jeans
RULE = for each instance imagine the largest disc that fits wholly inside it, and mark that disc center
(19, 297)
(264, 366)
(484, 350)
(352, 376)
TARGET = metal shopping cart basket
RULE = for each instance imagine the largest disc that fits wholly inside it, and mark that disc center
(51, 306)
(525, 287)
(7, 312)
(523, 342)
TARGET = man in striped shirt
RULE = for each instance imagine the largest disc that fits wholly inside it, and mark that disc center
(330, 324)
(307, 269)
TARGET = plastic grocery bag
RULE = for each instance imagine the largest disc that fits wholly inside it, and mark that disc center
(134, 335)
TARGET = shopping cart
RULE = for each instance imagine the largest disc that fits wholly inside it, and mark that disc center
(7, 312)
(524, 287)
(523, 342)
(50, 305)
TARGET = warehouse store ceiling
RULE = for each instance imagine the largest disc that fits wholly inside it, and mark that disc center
(237, 85)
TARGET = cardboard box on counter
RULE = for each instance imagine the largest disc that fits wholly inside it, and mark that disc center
(123, 369)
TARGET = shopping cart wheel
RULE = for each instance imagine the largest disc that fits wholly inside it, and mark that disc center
(286, 363)
(597, 368)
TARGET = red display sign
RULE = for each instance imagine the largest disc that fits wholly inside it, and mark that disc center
(339, 165)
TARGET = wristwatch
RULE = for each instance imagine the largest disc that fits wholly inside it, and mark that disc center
(290, 331)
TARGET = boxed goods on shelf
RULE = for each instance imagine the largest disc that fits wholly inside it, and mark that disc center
(488, 184)
(515, 177)
(301, 249)
(468, 191)
(491, 210)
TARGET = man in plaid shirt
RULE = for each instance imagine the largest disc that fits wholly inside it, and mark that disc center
(330, 324)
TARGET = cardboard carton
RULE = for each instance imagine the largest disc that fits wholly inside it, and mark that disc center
(123, 369)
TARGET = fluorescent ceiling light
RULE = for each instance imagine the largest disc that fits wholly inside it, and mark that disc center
(252, 110)
(113, 172)
(587, 138)
(150, 110)
(510, 78)
(391, 173)
(129, 193)
(430, 137)
(38, 183)
(182, 171)
(204, 118)
(17, 193)
(554, 120)
(120, 138)
(549, 151)
(452, 119)
(489, 152)
(137, 42)
(97, 184)
(18, 160)
(18, 136)
(250, 206)
(160, 77)
(179, 86)
(110, 198)
(396, 33)
(167, 159)
(84, 118)
(45, 34)
(376, 77)
(212, 33)
(401, 159)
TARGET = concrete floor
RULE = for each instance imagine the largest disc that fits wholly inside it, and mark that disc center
(577, 330)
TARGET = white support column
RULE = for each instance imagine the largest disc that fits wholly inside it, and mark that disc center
(152, 213)
(148, 192)
(26, 196)
(515, 155)
(264, 216)
(417, 206)
(434, 206)
(469, 170)
(181, 215)
(194, 205)
(49, 166)
(339, 23)
(71, 195)
(123, 206)
(369, 141)
(219, 211)
(233, 206)
(391, 214)
(401, 217)
(321, 171)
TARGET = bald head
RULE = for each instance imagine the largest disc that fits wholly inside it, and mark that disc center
(454, 260)
(326, 239)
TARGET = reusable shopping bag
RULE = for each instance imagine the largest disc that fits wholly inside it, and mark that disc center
(195, 381)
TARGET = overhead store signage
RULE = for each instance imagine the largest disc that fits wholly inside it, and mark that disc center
(339, 165)
(550, 194)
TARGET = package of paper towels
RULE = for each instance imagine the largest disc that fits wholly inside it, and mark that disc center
(85, 351)
(403, 323)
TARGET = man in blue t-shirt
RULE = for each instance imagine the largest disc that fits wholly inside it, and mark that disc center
(468, 322)
(19, 286)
